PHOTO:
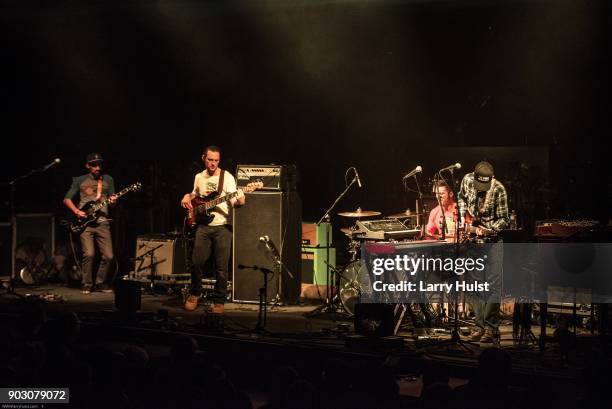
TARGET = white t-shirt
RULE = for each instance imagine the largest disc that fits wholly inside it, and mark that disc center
(204, 184)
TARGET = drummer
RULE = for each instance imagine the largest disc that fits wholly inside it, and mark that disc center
(447, 199)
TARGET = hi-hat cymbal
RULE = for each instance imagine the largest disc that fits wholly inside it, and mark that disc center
(403, 215)
(360, 213)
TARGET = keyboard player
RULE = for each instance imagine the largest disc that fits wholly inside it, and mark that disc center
(447, 208)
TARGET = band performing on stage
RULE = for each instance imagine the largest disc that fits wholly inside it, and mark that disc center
(305, 204)
(474, 210)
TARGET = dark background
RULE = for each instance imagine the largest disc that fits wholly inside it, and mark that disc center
(382, 86)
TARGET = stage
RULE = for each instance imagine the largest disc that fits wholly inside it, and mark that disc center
(292, 336)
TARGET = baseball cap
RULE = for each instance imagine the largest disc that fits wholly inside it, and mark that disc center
(483, 174)
(94, 158)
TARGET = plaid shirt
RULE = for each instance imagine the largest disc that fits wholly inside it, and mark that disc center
(495, 215)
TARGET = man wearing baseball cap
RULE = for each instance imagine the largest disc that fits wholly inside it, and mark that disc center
(483, 202)
(94, 186)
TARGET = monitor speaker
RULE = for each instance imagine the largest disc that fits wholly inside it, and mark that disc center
(276, 215)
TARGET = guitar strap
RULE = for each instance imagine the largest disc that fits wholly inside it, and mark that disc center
(220, 186)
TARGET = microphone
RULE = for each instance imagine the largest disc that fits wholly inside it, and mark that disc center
(270, 246)
(357, 177)
(452, 167)
(55, 162)
(413, 172)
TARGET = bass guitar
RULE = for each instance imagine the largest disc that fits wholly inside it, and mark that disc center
(201, 213)
(94, 209)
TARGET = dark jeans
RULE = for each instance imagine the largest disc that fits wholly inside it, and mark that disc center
(487, 304)
(101, 235)
(208, 239)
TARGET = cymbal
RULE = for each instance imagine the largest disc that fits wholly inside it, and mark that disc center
(360, 213)
(403, 215)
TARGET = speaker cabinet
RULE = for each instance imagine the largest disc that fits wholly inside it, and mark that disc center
(33, 241)
(128, 297)
(168, 255)
(276, 215)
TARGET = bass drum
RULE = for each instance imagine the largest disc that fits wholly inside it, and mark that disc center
(350, 285)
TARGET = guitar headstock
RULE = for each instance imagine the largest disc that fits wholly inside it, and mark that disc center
(135, 187)
(253, 186)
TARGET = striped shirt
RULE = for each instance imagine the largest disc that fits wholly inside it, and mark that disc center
(491, 210)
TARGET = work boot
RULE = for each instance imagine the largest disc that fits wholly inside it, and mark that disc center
(488, 336)
(192, 303)
(105, 288)
(477, 334)
(218, 309)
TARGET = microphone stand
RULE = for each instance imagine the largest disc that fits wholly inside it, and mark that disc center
(263, 298)
(455, 337)
(420, 208)
(444, 225)
(328, 305)
(13, 217)
(279, 265)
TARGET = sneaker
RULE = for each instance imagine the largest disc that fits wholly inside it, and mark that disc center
(192, 303)
(105, 288)
(218, 309)
(477, 334)
(86, 289)
(488, 336)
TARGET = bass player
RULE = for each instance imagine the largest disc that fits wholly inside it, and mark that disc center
(215, 235)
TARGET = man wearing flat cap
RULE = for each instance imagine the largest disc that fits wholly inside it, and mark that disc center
(483, 202)
(94, 186)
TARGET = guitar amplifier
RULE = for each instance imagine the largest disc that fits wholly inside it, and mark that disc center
(168, 255)
(273, 177)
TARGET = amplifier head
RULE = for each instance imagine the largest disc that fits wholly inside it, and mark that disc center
(273, 177)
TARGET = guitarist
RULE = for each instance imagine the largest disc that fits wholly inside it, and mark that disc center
(94, 186)
(483, 201)
(217, 234)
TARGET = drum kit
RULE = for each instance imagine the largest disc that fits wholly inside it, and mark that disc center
(353, 273)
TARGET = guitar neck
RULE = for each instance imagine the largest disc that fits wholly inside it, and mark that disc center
(219, 200)
(103, 203)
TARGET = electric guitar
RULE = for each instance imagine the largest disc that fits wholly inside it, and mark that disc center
(471, 232)
(203, 206)
(94, 209)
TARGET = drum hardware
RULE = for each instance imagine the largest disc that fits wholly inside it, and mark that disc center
(360, 213)
(349, 286)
